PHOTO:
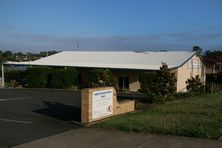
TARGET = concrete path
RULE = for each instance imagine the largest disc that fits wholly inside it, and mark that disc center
(99, 138)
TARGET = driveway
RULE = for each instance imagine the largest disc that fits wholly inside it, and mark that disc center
(31, 114)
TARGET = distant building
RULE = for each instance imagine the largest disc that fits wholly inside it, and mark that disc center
(127, 66)
(213, 65)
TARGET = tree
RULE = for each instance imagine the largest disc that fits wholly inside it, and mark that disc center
(214, 54)
(166, 80)
(7, 54)
(1, 57)
(197, 49)
(159, 85)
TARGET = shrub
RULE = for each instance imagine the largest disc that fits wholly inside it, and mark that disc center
(194, 85)
(101, 77)
(40, 77)
(148, 82)
(158, 85)
(14, 76)
(37, 77)
(62, 78)
(70, 77)
(55, 79)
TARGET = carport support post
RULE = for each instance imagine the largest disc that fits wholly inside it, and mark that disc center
(3, 77)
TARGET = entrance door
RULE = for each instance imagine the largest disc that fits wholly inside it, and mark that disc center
(123, 83)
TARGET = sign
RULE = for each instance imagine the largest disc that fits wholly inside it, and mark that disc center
(102, 103)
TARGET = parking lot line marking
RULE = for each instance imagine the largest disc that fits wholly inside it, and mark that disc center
(15, 121)
(16, 98)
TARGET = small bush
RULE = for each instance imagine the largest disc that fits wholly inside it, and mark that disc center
(194, 85)
(101, 77)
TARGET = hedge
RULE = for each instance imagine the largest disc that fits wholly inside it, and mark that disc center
(37, 77)
(63, 78)
(40, 77)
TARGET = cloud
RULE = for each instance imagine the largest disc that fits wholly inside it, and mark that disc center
(186, 36)
(8, 27)
(168, 41)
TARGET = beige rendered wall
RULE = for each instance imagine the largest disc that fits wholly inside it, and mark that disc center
(134, 83)
(185, 72)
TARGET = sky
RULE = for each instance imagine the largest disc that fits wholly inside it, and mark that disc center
(120, 25)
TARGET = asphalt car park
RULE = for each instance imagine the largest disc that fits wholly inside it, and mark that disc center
(30, 114)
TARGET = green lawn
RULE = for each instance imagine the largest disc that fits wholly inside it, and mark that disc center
(196, 117)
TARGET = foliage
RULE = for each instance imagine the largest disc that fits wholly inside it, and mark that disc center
(148, 86)
(214, 53)
(196, 117)
(216, 78)
(37, 77)
(101, 77)
(47, 53)
(7, 54)
(194, 85)
(1, 60)
(62, 78)
(166, 80)
(197, 49)
(16, 76)
(1, 57)
(41, 77)
(148, 82)
(181, 95)
(19, 56)
(158, 85)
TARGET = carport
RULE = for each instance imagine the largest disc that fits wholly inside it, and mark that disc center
(11, 63)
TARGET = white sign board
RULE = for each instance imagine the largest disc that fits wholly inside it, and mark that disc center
(102, 103)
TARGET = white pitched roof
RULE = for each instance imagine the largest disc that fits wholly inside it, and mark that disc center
(116, 59)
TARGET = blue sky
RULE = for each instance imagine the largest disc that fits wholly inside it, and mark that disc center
(37, 25)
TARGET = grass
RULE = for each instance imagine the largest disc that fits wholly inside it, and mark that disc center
(195, 117)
